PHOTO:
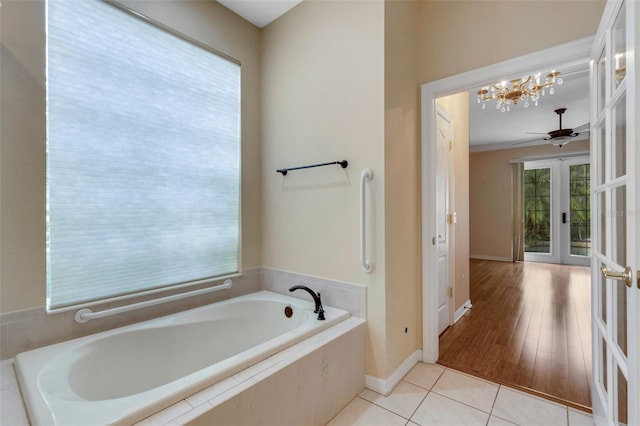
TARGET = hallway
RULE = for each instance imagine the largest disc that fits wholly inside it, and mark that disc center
(529, 328)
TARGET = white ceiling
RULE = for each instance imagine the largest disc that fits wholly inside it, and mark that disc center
(260, 12)
(492, 129)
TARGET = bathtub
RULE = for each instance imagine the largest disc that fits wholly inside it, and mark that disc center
(124, 375)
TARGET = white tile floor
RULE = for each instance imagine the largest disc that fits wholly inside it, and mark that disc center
(433, 395)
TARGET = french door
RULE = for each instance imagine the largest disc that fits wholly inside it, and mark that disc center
(557, 212)
(614, 153)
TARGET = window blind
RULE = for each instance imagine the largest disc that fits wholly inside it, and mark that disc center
(143, 156)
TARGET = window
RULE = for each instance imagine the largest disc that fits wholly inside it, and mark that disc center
(143, 156)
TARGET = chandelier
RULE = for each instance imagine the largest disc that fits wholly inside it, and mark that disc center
(527, 89)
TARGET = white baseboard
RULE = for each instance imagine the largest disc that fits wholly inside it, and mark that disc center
(460, 312)
(498, 258)
(385, 387)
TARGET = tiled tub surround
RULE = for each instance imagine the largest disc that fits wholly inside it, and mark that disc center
(339, 294)
(33, 328)
(124, 375)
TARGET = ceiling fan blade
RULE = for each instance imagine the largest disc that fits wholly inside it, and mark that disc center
(529, 141)
(535, 133)
(583, 128)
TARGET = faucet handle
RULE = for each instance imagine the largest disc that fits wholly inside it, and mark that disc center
(318, 304)
(321, 314)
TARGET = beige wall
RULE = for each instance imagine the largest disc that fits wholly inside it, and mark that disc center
(462, 35)
(490, 188)
(22, 132)
(323, 100)
(402, 185)
(458, 107)
(22, 156)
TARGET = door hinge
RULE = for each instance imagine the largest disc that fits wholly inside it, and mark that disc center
(450, 291)
(451, 218)
(450, 145)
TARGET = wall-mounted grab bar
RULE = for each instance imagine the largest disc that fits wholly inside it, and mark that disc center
(366, 176)
(343, 164)
(85, 314)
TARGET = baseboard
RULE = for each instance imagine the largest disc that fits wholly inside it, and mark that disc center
(385, 387)
(461, 310)
(498, 258)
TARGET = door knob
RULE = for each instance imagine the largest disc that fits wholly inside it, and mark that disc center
(626, 275)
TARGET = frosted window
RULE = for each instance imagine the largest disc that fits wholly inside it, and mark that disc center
(143, 156)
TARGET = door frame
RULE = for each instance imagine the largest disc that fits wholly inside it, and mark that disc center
(569, 54)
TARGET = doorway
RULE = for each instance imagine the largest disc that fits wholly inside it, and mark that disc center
(570, 53)
(431, 351)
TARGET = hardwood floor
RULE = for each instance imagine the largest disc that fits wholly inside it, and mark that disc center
(529, 327)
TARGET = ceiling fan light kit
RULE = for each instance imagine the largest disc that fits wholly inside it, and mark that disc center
(527, 89)
(559, 137)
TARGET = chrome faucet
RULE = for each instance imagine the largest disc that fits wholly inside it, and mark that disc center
(316, 298)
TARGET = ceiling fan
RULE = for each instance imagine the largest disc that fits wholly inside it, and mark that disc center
(559, 137)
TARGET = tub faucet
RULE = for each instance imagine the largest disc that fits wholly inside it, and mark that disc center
(316, 298)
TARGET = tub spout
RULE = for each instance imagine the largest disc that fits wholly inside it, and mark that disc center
(316, 298)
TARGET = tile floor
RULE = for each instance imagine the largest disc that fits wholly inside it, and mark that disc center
(434, 395)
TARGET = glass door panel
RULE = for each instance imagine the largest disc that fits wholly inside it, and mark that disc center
(574, 246)
(620, 320)
(602, 154)
(620, 143)
(602, 223)
(601, 73)
(602, 298)
(579, 210)
(619, 223)
(620, 48)
(537, 211)
(622, 415)
(603, 377)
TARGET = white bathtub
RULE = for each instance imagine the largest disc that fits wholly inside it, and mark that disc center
(124, 375)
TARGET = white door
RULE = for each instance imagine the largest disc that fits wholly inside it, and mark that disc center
(557, 211)
(443, 206)
(614, 182)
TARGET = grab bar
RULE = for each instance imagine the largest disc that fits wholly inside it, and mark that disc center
(366, 175)
(86, 314)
